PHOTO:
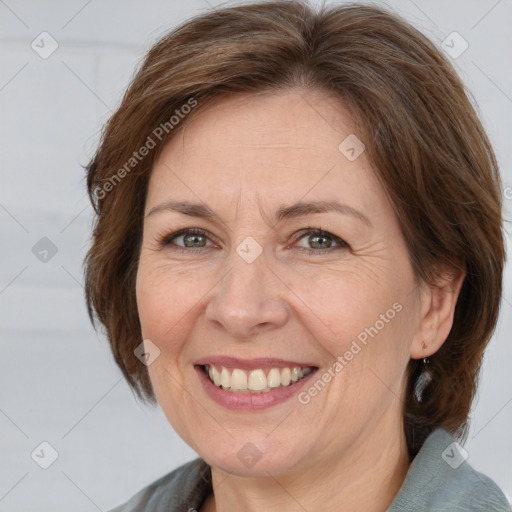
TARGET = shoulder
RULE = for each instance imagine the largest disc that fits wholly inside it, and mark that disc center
(472, 491)
(183, 488)
(441, 479)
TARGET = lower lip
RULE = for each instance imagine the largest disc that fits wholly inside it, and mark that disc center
(250, 401)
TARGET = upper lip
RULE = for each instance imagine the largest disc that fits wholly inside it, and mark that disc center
(250, 364)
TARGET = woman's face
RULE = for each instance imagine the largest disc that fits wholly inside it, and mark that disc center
(269, 292)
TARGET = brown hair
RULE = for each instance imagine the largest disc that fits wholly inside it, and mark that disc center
(421, 133)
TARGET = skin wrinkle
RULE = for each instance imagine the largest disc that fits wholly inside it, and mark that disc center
(348, 444)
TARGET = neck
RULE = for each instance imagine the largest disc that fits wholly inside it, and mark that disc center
(368, 478)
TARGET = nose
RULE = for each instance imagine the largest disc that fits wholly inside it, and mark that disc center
(249, 300)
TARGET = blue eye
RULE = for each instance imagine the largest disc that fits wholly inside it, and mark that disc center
(194, 236)
(322, 236)
(187, 234)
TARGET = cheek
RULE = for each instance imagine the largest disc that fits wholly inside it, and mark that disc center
(340, 302)
(165, 300)
(163, 303)
(367, 372)
(359, 321)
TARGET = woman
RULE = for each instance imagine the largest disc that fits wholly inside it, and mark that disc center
(298, 254)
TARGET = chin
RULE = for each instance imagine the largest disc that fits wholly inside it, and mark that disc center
(252, 459)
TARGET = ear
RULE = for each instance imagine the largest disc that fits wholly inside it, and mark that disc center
(437, 308)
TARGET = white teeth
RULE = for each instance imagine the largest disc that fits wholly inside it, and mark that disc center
(257, 380)
(285, 376)
(274, 378)
(225, 378)
(215, 376)
(240, 381)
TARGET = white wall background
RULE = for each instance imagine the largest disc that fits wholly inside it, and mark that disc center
(58, 382)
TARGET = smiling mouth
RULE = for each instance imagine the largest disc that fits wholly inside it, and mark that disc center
(259, 380)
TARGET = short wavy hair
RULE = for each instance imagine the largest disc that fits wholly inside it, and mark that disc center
(422, 136)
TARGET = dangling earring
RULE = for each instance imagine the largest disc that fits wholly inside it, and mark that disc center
(425, 359)
(424, 378)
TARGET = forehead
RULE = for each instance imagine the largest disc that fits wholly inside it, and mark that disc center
(283, 145)
(267, 124)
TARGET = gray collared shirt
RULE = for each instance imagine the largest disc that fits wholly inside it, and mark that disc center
(439, 479)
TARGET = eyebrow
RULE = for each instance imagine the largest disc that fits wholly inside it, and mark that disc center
(298, 209)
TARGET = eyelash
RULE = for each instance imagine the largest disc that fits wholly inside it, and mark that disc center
(166, 240)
